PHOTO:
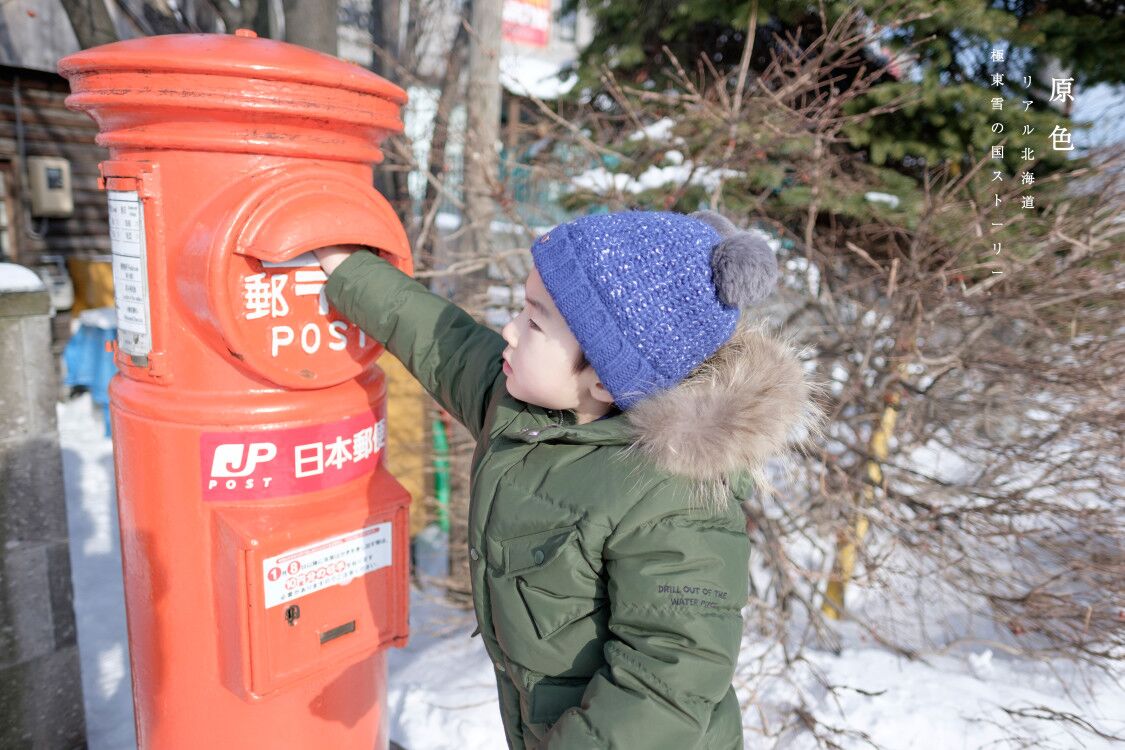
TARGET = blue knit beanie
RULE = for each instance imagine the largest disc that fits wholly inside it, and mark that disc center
(651, 294)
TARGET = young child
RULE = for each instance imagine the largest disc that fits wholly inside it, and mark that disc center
(620, 418)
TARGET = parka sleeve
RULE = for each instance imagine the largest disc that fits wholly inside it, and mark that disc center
(676, 585)
(455, 358)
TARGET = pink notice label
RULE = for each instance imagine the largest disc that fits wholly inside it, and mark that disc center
(259, 464)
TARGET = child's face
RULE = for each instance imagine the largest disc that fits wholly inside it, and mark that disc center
(540, 359)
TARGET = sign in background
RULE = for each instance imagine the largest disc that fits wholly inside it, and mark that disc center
(527, 22)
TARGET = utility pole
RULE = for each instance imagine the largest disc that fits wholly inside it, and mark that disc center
(312, 23)
(480, 162)
(91, 22)
(483, 110)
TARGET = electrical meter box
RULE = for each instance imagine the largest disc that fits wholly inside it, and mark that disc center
(49, 179)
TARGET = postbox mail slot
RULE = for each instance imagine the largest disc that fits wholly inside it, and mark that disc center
(310, 209)
(320, 588)
(260, 307)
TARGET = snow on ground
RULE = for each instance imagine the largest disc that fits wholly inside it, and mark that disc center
(442, 694)
(949, 701)
(95, 564)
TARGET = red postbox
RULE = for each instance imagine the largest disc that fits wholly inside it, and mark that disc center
(264, 544)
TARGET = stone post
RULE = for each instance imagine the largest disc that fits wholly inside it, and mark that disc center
(40, 683)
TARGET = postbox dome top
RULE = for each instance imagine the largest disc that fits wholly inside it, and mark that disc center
(232, 92)
(241, 54)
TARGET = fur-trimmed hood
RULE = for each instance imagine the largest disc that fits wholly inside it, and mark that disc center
(749, 402)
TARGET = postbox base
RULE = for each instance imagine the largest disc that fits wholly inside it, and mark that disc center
(258, 620)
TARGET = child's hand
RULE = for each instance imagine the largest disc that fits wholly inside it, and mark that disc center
(334, 255)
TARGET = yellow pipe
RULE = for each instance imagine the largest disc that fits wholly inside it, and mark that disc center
(847, 543)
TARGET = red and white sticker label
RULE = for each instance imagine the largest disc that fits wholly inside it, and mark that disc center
(335, 561)
(263, 464)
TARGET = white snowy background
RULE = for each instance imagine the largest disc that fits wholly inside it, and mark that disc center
(441, 692)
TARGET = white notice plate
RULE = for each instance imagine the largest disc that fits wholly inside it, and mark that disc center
(329, 562)
(130, 272)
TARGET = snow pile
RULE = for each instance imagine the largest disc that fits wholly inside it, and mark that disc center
(527, 76)
(661, 130)
(98, 317)
(17, 278)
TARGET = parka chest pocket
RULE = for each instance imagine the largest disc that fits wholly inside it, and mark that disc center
(536, 550)
(553, 578)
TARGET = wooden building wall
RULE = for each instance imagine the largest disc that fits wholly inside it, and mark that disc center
(50, 129)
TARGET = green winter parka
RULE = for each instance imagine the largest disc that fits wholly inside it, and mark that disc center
(609, 603)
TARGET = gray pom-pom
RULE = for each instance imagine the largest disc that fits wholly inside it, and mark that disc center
(743, 265)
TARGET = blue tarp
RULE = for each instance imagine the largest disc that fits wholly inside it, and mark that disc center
(89, 364)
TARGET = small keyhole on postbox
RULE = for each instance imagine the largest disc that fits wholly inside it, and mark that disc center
(292, 614)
